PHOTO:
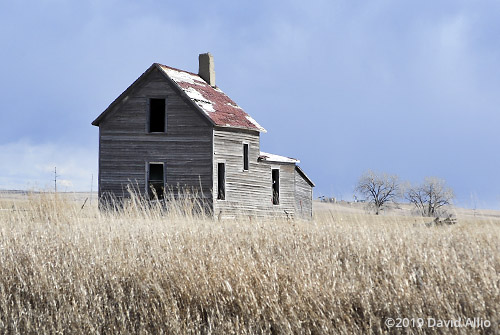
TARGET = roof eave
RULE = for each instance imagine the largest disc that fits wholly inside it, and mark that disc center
(277, 162)
(301, 172)
(121, 97)
(260, 130)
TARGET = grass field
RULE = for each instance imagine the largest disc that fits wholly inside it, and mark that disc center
(70, 270)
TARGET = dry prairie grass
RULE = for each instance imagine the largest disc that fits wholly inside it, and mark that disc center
(142, 271)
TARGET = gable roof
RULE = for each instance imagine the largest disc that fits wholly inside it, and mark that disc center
(212, 102)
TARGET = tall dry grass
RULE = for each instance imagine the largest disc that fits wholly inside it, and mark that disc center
(141, 270)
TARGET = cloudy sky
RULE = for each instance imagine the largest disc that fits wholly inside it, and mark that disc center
(345, 86)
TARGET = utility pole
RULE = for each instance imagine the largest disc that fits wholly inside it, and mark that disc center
(55, 179)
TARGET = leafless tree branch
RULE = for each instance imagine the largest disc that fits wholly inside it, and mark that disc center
(378, 188)
(430, 196)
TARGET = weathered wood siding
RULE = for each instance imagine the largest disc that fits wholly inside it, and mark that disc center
(287, 189)
(248, 193)
(125, 147)
(303, 197)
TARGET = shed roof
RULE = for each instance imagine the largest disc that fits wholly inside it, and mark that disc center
(272, 158)
(267, 157)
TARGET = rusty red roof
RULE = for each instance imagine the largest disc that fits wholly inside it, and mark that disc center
(212, 101)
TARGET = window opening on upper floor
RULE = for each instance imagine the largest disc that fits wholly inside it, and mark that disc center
(245, 156)
(157, 116)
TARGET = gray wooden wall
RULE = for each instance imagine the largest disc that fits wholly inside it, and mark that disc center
(125, 146)
(249, 193)
(303, 197)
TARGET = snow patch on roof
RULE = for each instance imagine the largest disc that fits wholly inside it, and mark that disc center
(183, 77)
(249, 118)
(194, 94)
(207, 106)
(199, 99)
(277, 158)
(234, 106)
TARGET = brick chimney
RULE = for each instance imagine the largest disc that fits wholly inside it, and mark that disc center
(206, 68)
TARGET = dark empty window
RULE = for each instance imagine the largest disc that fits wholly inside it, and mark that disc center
(221, 181)
(156, 115)
(156, 181)
(245, 156)
(276, 186)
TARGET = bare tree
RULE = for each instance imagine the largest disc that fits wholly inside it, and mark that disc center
(378, 188)
(431, 196)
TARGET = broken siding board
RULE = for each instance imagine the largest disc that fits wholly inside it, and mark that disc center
(126, 147)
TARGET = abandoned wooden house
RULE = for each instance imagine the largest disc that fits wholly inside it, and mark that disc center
(172, 128)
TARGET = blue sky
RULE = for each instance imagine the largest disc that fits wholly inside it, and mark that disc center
(345, 86)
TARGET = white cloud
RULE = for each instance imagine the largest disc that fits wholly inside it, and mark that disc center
(26, 165)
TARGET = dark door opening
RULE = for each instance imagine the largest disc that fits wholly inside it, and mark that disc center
(156, 181)
(276, 186)
(221, 181)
